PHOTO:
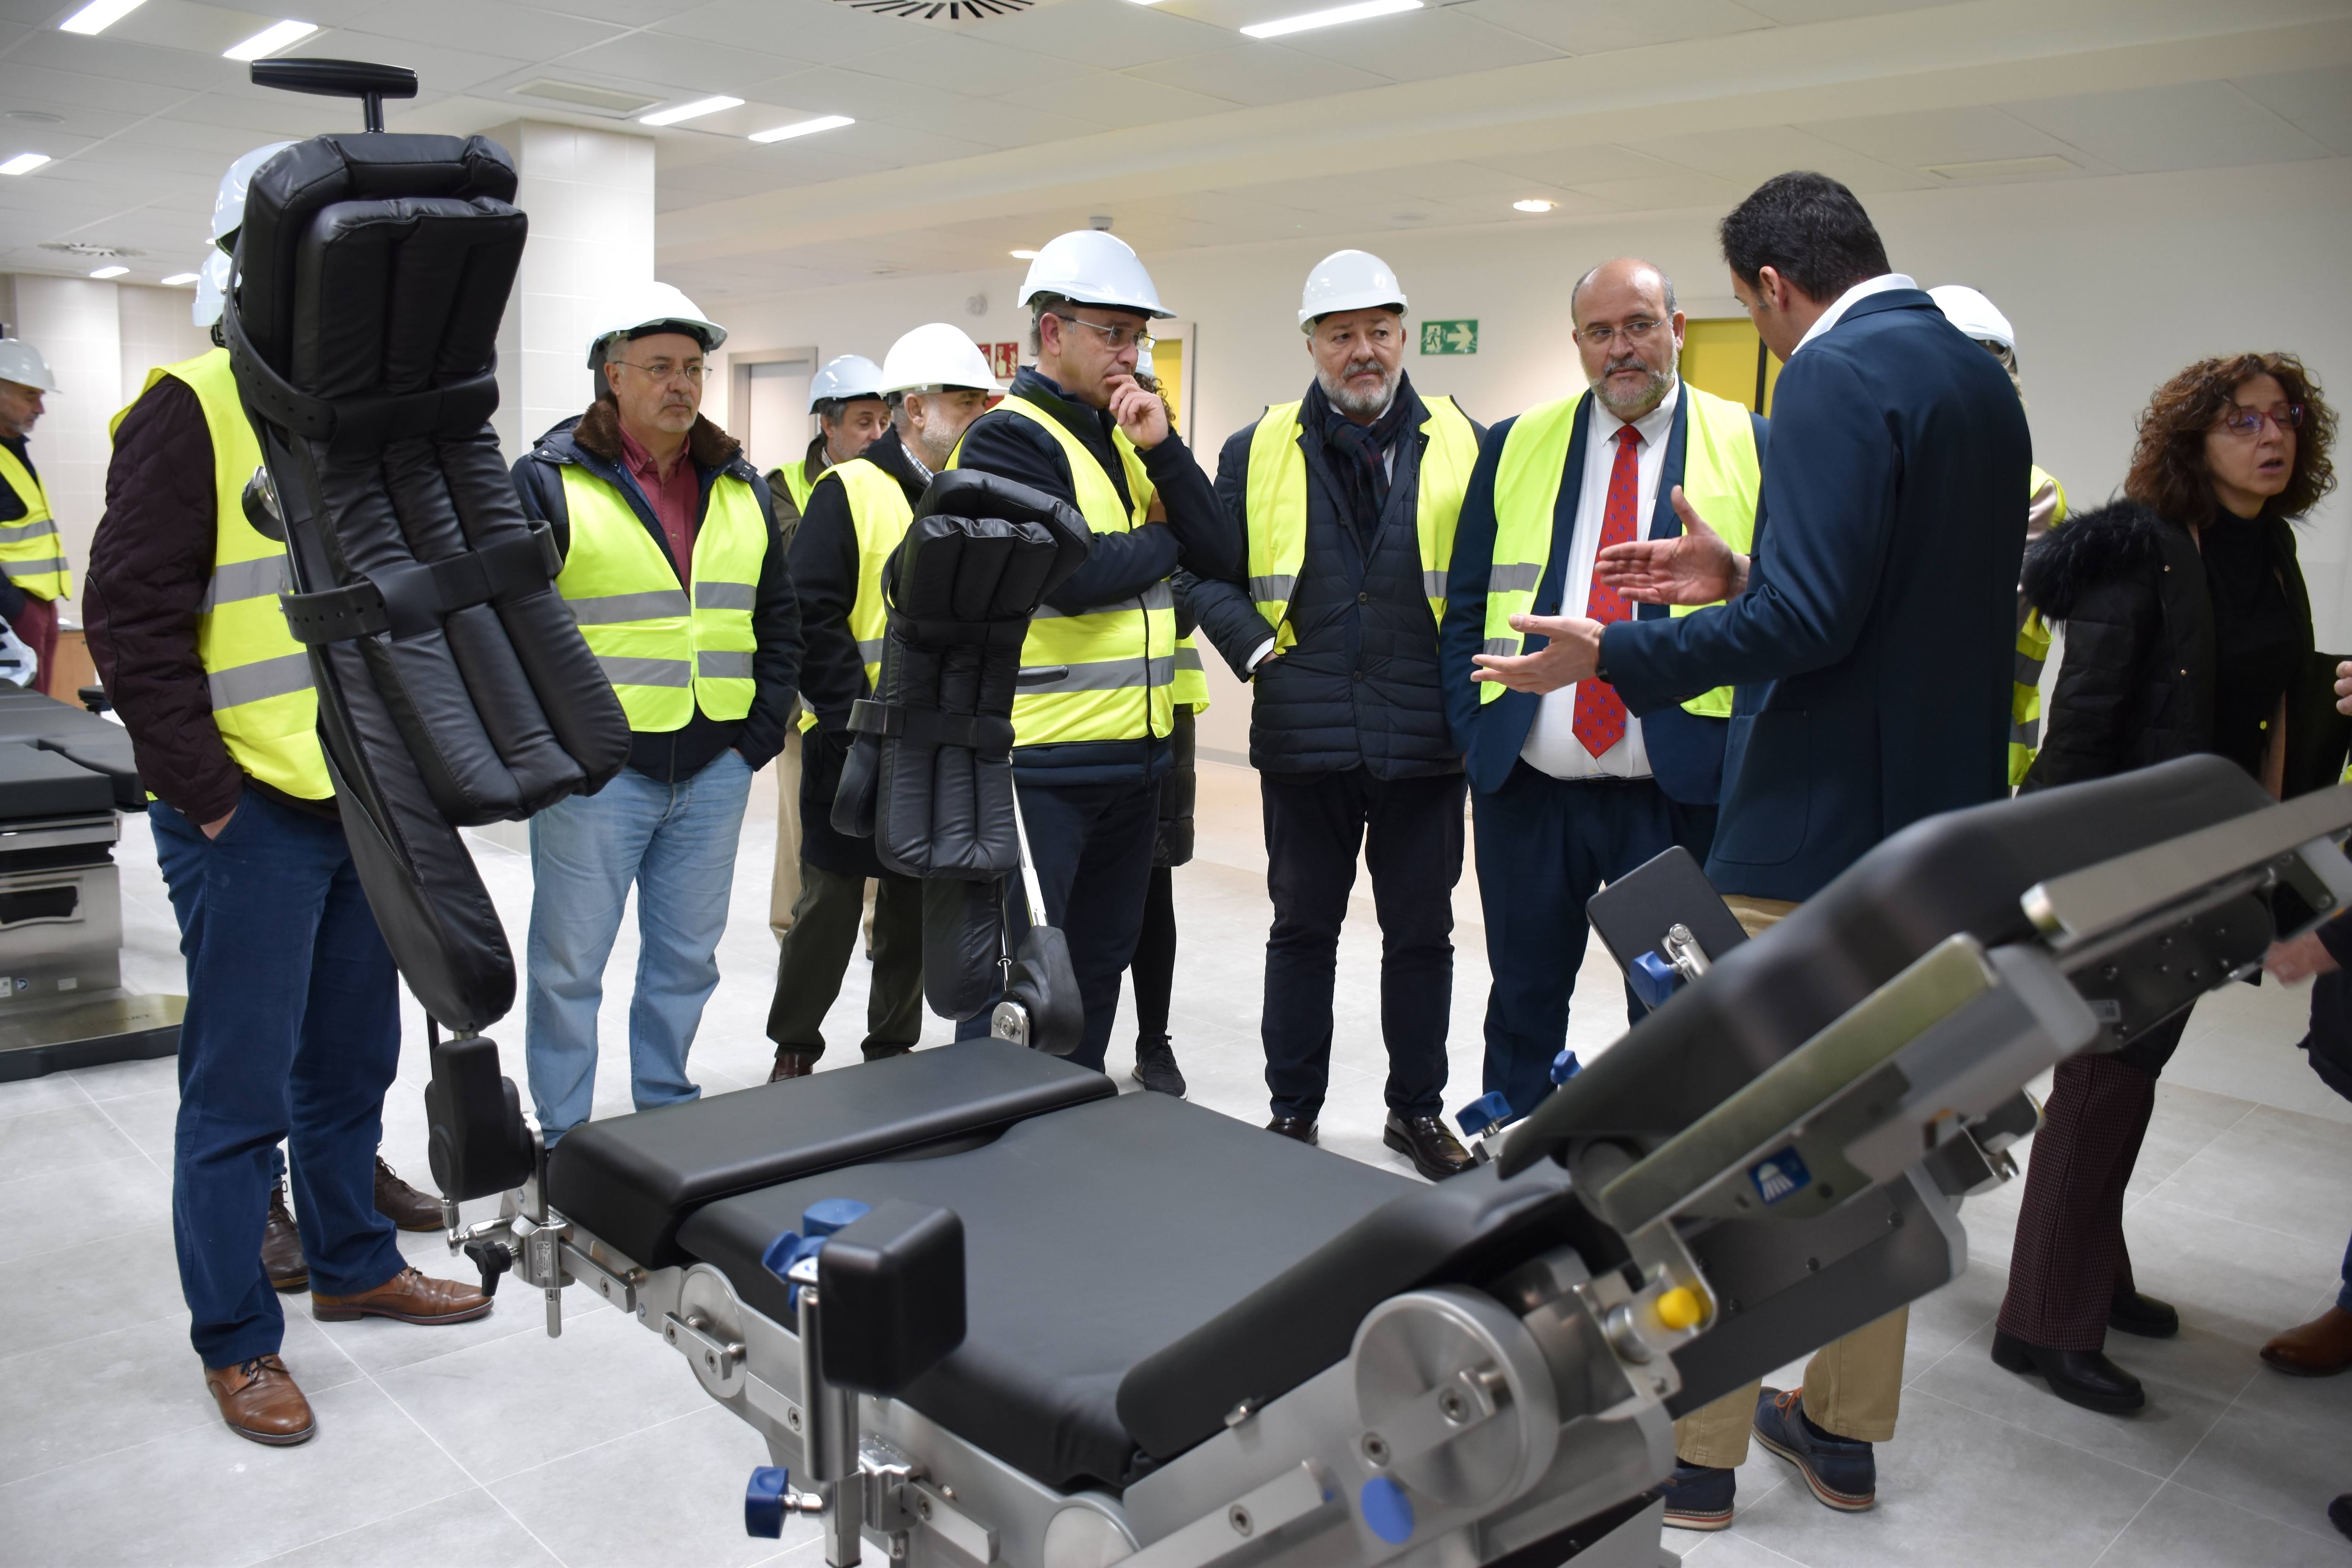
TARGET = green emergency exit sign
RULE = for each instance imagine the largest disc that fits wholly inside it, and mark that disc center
(1449, 337)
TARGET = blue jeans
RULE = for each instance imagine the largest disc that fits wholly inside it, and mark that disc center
(677, 843)
(292, 1032)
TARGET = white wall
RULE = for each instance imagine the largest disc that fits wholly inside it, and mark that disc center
(2112, 284)
(590, 196)
(156, 329)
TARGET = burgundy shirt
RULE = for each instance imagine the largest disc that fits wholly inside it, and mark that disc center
(674, 500)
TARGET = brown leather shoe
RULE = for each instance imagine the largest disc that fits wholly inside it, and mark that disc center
(259, 1401)
(408, 1297)
(2320, 1348)
(792, 1064)
(402, 1204)
(282, 1246)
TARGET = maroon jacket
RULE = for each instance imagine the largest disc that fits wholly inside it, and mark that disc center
(150, 562)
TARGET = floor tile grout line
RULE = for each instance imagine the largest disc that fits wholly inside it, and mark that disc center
(2046, 1436)
(125, 1133)
(2273, 1518)
(2233, 1219)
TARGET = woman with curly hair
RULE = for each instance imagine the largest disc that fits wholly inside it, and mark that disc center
(2187, 624)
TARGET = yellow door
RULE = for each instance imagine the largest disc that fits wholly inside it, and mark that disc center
(1726, 357)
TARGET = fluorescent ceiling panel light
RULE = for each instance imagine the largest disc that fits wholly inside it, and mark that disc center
(269, 40)
(1535, 205)
(803, 128)
(695, 110)
(1363, 11)
(23, 163)
(110, 272)
(1024, 256)
(178, 280)
(99, 16)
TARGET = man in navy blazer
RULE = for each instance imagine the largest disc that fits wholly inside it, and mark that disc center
(1869, 636)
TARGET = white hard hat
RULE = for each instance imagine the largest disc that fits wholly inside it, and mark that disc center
(1974, 314)
(1088, 267)
(21, 362)
(1348, 280)
(652, 305)
(212, 287)
(849, 376)
(934, 357)
(228, 202)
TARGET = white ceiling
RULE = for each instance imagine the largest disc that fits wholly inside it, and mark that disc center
(974, 138)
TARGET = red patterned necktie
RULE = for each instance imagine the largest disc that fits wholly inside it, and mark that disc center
(1600, 711)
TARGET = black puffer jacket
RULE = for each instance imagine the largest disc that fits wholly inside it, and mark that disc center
(1360, 686)
(2137, 687)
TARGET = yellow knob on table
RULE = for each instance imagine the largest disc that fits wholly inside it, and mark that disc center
(1682, 1308)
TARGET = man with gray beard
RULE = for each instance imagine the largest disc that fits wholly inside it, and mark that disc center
(1569, 790)
(1348, 500)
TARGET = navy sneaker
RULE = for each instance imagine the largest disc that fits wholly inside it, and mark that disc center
(1698, 1496)
(1841, 1471)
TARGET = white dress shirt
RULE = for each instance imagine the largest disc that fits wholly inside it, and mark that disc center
(1552, 746)
(1844, 302)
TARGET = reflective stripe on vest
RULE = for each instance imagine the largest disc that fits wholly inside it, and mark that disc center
(664, 655)
(1722, 478)
(2032, 652)
(1107, 675)
(1192, 684)
(29, 547)
(1276, 500)
(878, 517)
(260, 677)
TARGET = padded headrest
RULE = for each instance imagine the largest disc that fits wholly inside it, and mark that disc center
(964, 493)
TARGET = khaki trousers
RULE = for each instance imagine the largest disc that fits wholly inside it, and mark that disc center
(1854, 1386)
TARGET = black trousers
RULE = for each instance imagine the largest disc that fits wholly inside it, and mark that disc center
(815, 953)
(1409, 834)
(1545, 847)
(1155, 956)
(2069, 1261)
(1093, 847)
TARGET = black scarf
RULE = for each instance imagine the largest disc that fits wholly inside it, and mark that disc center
(1357, 454)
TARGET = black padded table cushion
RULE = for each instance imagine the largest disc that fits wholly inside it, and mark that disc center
(632, 1180)
(36, 783)
(1093, 1238)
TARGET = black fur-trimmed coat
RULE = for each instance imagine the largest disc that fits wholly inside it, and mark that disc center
(2137, 687)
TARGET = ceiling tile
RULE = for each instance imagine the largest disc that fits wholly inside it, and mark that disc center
(1111, 34)
(805, 29)
(2193, 126)
(958, 62)
(1657, 192)
(522, 32)
(438, 68)
(1112, 98)
(112, 59)
(1579, 166)
(177, 24)
(1749, 156)
(266, 115)
(674, 68)
(1599, 27)
(2317, 102)
(1417, 45)
(1795, 13)
(60, 92)
(1255, 73)
(1966, 135)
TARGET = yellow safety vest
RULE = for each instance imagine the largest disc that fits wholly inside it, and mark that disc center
(1107, 675)
(664, 658)
(30, 550)
(259, 678)
(1722, 480)
(879, 515)
(1277, 502)
(2032, 651)
(799, 484)
(1192, 685)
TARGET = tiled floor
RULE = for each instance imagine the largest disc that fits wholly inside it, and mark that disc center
(489, 1444)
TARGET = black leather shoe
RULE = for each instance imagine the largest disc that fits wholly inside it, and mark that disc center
(2143, 1315)
(1434, 1151)
(790, 1064)
(1155, 1066)
(1301, 1128)
(2339, 1514)
(2086, 1378)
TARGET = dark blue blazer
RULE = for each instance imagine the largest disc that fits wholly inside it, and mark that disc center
(1685, 751)
(1872, 649)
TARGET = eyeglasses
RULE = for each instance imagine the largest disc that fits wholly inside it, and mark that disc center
(2248, 422)
(1116, 337)
(1641, 329)
(663, 370)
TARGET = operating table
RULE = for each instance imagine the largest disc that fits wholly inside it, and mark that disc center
(984, 1310)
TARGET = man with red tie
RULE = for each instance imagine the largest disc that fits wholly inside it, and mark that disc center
(1569, 791)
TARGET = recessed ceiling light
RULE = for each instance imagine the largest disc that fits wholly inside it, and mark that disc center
(99, 16)
(1024, 256)
(695, 110)
(1534, 205)
(269, 40)
(178, 280)
(110, 272)
(1362, 11)
(803, 128)
(23, 163)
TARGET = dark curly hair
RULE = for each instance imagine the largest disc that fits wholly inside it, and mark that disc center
(2168, 467)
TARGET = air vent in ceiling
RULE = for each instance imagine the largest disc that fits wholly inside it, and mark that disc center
(941, 13)
(85, 247)
(609, 101)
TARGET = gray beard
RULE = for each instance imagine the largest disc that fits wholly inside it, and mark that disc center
(1355, 407)
(1661, 382)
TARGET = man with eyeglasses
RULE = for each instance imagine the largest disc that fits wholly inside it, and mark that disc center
(672, 568)
(1095, 707)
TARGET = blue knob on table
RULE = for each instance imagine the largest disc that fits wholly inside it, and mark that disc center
(763, 1501)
